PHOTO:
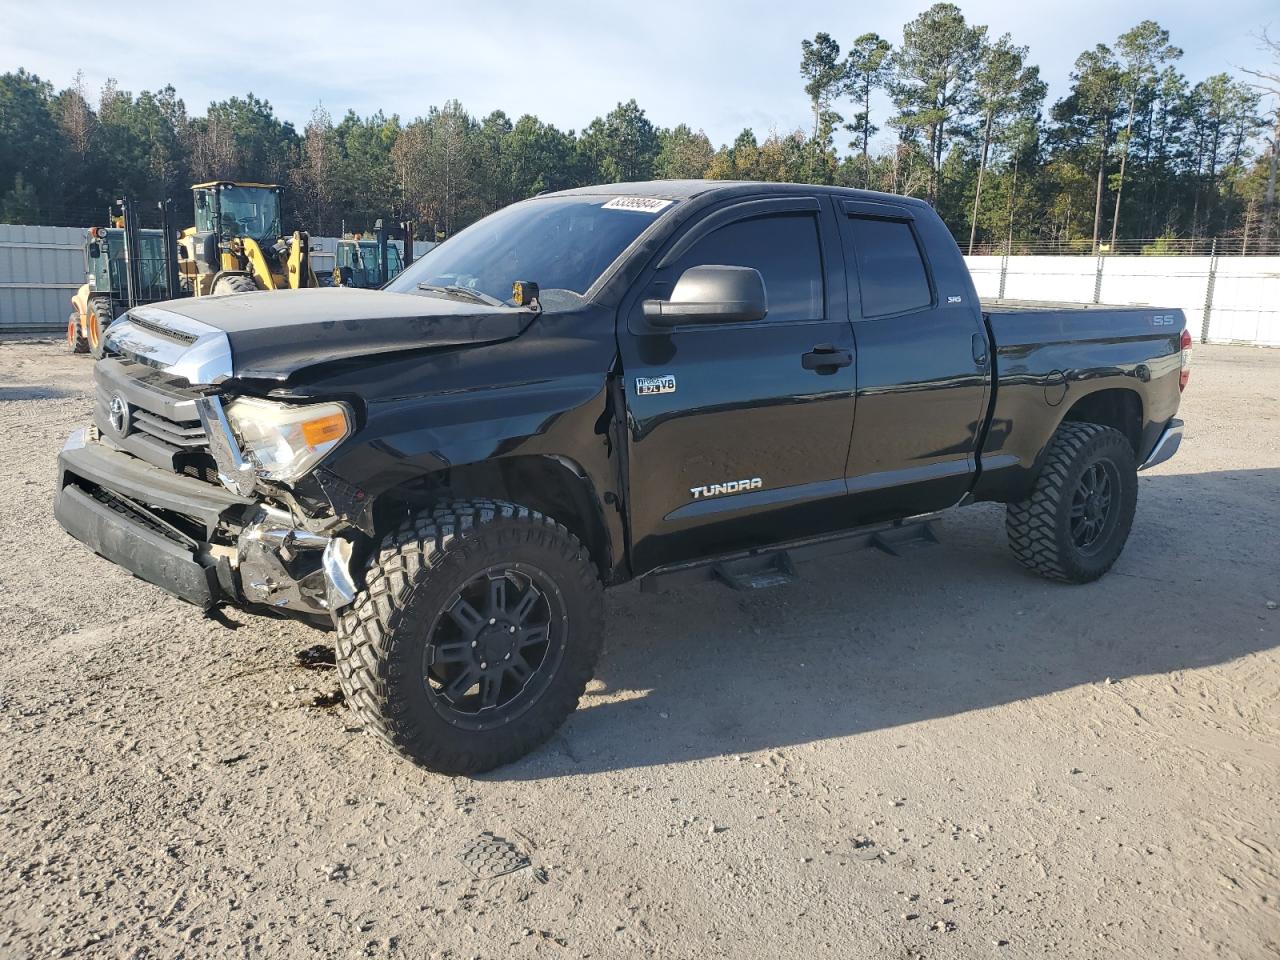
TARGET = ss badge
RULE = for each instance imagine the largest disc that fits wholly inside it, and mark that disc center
(648, 386)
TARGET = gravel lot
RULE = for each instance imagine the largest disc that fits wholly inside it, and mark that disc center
(941, 756)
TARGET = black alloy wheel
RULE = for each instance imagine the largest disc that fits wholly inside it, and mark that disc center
(1093, 505)
(495, 646)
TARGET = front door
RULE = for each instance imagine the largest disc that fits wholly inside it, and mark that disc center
(739, 433)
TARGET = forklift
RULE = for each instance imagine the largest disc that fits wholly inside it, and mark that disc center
(125, 266)
(367, 263)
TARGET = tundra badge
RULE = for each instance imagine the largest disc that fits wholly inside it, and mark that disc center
(732, 486)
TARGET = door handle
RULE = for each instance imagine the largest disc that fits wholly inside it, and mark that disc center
(979, 344)
(826, 358)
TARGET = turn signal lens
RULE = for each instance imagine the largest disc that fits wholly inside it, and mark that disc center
(324, 429)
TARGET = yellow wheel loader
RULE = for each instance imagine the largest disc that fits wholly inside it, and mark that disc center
(236, 243)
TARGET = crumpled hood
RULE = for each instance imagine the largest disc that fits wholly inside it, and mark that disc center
(272, 335)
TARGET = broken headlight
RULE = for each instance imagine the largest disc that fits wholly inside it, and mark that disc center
(286, 440)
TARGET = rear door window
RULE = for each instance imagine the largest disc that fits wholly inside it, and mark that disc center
(890, 269)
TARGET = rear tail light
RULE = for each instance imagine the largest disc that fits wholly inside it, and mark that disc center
(1184, 344)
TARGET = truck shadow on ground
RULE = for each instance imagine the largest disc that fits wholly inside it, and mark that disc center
(870, 642)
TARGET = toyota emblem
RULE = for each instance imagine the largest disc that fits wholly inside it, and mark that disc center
(119, 415)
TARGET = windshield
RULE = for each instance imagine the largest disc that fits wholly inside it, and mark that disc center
(370, 263)
(559, 243)
(241, 212)
(106, 268)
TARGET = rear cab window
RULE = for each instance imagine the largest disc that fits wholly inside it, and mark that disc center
(883, 253)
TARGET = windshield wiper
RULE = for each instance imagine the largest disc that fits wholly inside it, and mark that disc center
(465, 293)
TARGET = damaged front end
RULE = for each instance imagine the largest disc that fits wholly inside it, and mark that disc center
(163, 484)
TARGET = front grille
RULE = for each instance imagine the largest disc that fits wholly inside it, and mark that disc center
(185, 434)
(164, 427)
(205, 470)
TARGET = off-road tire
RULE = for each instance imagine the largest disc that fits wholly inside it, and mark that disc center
(77, 342)
(101, 315)
(1039, 527)
(236, 283)
(383, 634)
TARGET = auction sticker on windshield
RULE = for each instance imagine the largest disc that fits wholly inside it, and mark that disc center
(638, 204)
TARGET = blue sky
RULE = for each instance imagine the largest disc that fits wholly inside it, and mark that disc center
(719, 66)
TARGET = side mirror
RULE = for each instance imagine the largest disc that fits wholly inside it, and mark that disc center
(95, 250)
(711, 294)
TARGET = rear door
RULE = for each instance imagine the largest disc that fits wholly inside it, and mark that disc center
(922, 365)
(736, 439)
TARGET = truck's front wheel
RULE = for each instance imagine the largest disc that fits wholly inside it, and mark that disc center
(1077, 519)
(477, 631)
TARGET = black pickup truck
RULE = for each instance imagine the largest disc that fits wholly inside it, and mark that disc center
(671, 381)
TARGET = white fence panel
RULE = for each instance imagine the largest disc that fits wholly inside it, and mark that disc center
(1070, 279)
(1180, 282)
(1242, 293)
(986, 275)
(1246, 301)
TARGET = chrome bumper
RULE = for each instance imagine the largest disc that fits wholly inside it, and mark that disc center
(1166, 446)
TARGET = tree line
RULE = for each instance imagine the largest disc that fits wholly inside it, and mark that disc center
(1134, 149)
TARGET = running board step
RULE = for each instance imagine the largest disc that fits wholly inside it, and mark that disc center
(755, 570)
(899, 539)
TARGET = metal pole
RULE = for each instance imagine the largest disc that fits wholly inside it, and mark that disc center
(1097, 281)
(170, 247)
(406, 230)
(1004, 273)
(1208, 292)
(380, 234)
(132, 279)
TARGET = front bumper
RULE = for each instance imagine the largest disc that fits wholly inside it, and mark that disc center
(165, 528)
(144, 553)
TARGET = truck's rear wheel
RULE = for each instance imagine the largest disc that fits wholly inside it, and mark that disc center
(1076, 521)
(236, 283)
(476, 633)
(101, 314)
(76, 340)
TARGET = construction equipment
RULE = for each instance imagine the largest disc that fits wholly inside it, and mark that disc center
(366, 262)
(116, 278)
(236, 244)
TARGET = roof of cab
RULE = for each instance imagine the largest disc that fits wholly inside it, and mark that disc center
(688, 189)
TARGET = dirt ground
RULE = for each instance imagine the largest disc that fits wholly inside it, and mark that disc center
(941, 756)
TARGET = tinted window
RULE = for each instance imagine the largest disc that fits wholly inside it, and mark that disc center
(889, 267)
(784, 248)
